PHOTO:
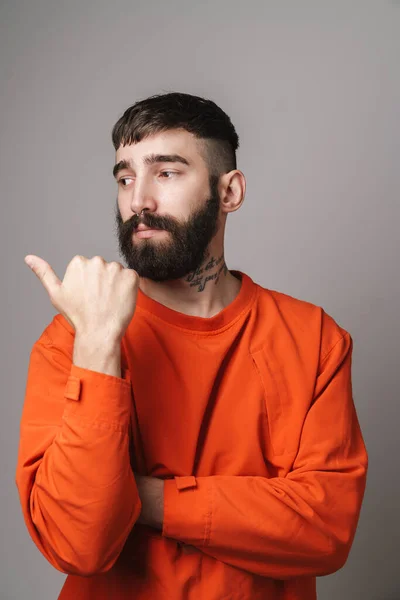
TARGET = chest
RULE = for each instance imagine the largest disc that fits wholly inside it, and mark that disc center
(210, 408)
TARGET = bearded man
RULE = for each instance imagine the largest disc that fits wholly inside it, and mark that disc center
(187, 433)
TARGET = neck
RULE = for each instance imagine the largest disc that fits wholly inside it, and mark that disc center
(202, 293)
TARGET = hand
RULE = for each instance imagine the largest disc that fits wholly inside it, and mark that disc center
(94, 295)
(151, 493)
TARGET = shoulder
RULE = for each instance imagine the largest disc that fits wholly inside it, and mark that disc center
(302, 319)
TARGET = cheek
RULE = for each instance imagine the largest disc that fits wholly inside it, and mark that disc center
(182, 198)
(123, 206)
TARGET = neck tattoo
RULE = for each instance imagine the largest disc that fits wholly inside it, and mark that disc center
(210, 270)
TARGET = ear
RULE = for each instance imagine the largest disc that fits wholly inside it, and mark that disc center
(232, 189)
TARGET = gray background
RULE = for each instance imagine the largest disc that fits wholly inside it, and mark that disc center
(313, 88)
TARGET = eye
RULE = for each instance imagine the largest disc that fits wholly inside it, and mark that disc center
(166, 174)
(123, 179)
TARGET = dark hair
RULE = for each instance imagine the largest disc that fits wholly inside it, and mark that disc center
(175, 110)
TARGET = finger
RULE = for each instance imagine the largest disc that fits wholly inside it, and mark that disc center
(44, 272)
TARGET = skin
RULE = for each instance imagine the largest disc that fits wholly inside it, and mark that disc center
(177, 194)
(175, 189)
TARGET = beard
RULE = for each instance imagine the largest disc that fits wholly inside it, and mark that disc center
(175, 258)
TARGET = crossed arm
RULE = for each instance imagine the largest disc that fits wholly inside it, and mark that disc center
(280, 527)
(299, 525)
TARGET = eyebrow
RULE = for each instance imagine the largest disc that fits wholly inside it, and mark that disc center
(149, 160)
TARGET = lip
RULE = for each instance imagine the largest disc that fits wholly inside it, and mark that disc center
(145, 232)
(142, 227)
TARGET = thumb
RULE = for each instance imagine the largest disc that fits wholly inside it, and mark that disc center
(44, 272)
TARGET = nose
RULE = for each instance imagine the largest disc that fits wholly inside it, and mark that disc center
(142, 197)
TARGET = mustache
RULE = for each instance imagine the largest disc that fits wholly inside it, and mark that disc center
(152, 221)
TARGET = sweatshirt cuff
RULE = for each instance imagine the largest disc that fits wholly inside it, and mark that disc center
(99, 399)
(188, 509)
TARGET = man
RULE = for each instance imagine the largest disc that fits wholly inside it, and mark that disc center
(186, 433)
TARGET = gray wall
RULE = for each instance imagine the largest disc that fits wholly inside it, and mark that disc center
(313, 88)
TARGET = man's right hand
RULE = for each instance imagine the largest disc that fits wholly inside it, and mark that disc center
(94, 295)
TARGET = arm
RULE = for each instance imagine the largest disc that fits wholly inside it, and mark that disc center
(301, 524)
(77, 490)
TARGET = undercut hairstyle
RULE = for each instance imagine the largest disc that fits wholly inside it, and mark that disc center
(199, 116)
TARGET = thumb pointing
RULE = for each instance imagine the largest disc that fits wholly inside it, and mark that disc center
(29, 260)
(44, 272)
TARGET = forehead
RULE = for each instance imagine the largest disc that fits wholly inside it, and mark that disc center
(176, 141)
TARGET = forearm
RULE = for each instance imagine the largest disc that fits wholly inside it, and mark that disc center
(98, 351)
(278, 528)
(77, 489)
(84, 500)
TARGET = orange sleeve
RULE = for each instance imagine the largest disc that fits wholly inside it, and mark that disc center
(283, 527)
(77, 491)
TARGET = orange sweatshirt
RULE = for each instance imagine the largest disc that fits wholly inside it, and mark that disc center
(249, 418)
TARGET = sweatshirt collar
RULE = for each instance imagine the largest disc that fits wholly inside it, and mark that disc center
(226, 317)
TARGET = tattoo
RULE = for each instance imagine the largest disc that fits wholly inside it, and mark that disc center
(202, 275)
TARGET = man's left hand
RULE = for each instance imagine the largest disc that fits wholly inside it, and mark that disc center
(151, 492)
